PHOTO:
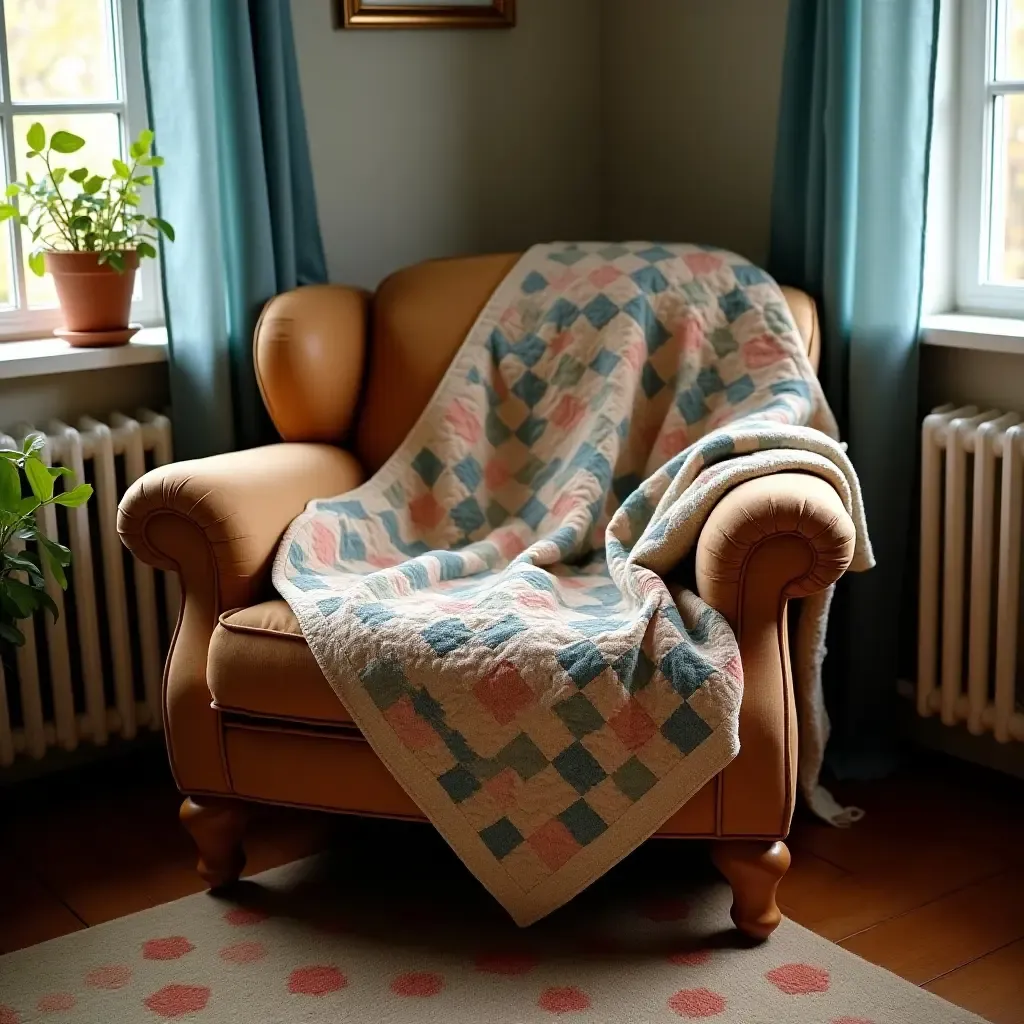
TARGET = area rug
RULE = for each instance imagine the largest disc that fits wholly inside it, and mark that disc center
(424, 944)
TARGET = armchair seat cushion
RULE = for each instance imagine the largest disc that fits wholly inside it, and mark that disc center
(260, 665)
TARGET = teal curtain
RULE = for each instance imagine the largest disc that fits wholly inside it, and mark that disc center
(848, 220)
(237, 186)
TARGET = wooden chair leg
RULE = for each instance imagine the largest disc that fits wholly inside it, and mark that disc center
(754, 870)
(216, 827)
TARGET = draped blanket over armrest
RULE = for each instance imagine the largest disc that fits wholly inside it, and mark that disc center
(504, 608)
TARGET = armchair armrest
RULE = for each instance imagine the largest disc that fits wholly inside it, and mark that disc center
(217, 523)
(230, 510)
(796, 513)
(777, 537)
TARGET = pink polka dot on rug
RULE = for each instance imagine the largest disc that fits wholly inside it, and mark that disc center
(243, 953)
(8, 1016)
(241, 917)
(56, 1002)
(564, 1000)
(799, 979)
(662, 911)
(690, 958)
(109, 976)
(417, 983)
(172, 948)
(174, 1001)
(510, 964)
(316, 980)
(697, 1003)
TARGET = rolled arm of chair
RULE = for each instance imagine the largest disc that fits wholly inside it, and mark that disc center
(798, 515)
(771, 539)
(217, 522)
(230, 510)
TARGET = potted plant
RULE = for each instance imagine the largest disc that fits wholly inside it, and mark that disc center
(22, 584)
(87, 230)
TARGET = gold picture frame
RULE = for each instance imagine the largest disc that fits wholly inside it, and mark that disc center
(415, 14)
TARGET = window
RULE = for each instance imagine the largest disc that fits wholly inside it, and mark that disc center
(73, 65)
(990, 272)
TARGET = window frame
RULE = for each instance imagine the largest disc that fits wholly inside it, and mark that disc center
(21, 323)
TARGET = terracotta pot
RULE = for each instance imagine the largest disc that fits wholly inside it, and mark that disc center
(93, 296)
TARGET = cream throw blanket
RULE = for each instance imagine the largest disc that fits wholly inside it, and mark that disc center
(491, 607)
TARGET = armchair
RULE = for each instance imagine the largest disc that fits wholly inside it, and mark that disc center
(243, 695)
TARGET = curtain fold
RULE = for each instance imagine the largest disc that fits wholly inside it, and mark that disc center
(848, 219)
(224, 102)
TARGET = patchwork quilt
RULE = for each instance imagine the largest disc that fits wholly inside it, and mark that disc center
(507, 610)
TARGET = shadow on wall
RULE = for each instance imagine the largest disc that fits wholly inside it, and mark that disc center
(434, 143)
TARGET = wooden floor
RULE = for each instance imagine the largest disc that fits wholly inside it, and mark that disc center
(930, 885)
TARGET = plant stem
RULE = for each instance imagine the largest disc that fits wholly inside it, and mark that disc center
(69, 234)
(116, 210)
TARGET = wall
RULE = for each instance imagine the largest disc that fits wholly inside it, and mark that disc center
(436, 143)
(691, 100)
(69, 396)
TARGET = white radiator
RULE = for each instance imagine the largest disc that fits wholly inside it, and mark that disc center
(96, 671)
(969, 630)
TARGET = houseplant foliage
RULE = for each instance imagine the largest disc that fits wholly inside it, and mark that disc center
(85, 227)
(22, 585)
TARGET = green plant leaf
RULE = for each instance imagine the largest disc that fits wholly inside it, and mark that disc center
(93, 185)
(32, 443)
(25, 598)
(7, 210)
(56, 471)
(10, 486)
(27, 507)
(39, 479)
(145, 139)
(37, 263)
(11, 633)
(73, 498)
(25, 563)
(12, 190)
(116, 260)
(162, 226)
(152, 161)
(145, 249)
(56, 557)
(60, 554)
(36, 137)
(65, 142)
(79, 175)
(57, 176)
(121, 168)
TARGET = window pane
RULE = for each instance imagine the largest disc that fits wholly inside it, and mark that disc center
(60, 50)
(102, 134)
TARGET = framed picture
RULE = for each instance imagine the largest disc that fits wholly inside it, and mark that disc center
(425, 14)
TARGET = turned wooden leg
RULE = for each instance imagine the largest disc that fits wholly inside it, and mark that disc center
(754, 870)
(216, 827)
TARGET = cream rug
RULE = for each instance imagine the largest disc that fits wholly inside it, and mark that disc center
(420, 942)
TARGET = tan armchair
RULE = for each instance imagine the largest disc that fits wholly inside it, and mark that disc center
(247, 713)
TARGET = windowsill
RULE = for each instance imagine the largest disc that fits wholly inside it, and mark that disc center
(51, 355)
(969, 331)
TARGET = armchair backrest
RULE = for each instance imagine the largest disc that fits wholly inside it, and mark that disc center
(336, 363)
